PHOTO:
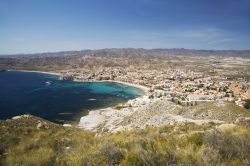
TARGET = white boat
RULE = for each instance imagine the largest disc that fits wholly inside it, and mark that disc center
(48, 83)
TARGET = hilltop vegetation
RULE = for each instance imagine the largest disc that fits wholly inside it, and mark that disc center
(34, 141)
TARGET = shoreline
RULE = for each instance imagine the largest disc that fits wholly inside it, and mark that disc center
(95, 117)
(35, 71)
(143, 88)
(140, 112)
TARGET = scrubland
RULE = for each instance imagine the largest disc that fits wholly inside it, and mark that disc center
(22, 142)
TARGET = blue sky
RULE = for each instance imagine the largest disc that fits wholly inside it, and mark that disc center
(28, 26)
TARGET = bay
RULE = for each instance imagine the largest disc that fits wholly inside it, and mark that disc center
(59, 101)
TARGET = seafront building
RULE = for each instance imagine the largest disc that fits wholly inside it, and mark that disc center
(185, 87)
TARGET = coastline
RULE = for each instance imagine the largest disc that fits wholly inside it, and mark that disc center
(143, 88)
(140, 112)
(35, 71)
(95, 117)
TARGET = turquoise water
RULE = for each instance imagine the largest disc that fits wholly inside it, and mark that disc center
(59, 101)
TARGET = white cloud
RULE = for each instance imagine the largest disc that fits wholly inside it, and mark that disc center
(221, 41)
(188, 38)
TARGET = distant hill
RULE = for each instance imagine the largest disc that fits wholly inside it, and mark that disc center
(142, 51)
(106, 57)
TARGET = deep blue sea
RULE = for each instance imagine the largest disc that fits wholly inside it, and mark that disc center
(45, 96)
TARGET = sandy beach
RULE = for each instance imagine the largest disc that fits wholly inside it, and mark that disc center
(43, 72)
(144, 88)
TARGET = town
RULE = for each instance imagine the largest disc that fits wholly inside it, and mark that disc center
(183, 85)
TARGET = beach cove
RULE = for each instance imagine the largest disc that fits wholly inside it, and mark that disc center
(42, 94)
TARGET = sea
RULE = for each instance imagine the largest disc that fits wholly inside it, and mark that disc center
(58, 101)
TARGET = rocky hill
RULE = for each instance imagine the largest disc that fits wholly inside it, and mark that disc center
(75, 59)
(160, 112)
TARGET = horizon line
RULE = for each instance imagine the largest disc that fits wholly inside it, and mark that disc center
(157, 48)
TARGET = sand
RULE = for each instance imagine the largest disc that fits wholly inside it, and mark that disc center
(43, 72)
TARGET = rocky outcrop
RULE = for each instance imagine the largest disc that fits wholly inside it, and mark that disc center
(144, 112)
(67, 77)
